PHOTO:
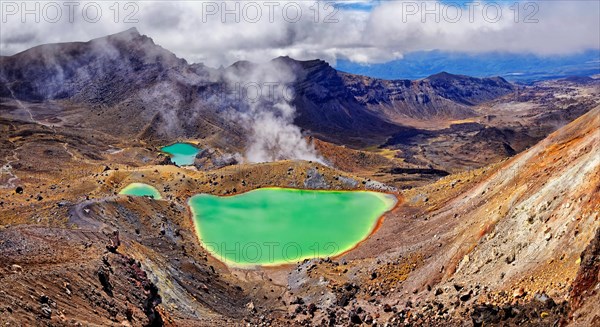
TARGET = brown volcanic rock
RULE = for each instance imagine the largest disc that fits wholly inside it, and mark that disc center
(469, 90)
(540, 208)
(585, 288)
(115, 65)
(126, 75)
(62, 269)
(112, 79)
(194, 288)
(518, 225)
(470, 226)
(546, 224)
(443, 96)
(327, 107)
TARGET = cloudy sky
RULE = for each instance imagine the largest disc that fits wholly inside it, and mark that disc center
(362, 31)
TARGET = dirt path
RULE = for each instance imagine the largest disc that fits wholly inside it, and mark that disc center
(79, 215)
(24, 107)
(8, 169)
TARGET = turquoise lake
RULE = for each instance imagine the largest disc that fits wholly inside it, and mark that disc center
(141, 189)
(273, 226)
(182, 154)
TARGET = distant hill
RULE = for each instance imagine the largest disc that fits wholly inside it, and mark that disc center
(513, 67)
(127, 75)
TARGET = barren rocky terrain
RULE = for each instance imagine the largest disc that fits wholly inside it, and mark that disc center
(498, 190)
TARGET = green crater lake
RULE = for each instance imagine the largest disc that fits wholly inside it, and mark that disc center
(141, 189)
(272, 226)
(182, 154)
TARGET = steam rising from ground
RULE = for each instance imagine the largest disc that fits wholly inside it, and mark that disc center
(264, 93)
(257, 97)
(274, 136)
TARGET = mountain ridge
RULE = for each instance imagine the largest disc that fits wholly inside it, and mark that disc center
(128, 68)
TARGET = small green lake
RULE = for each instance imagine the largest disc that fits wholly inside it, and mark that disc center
(141, 189)
(272, 226)
(182, 154)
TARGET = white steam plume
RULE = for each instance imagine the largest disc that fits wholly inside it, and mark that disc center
(267, 114)
(274, 136)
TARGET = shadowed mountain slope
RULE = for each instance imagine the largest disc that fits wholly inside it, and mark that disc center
(127, 75)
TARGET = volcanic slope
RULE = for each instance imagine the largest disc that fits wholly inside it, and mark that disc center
(526, 224)
(509, 235)
(501, 235)
(110, 79)
(443, 123)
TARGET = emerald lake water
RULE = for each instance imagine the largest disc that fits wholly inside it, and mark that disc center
(273, 226)
(182, 154)
(141, 189)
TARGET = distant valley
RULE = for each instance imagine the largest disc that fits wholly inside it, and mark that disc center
(138, 189)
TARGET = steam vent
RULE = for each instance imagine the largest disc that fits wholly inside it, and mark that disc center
(295, 163)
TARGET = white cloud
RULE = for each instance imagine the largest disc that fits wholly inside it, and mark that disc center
(384, 33)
